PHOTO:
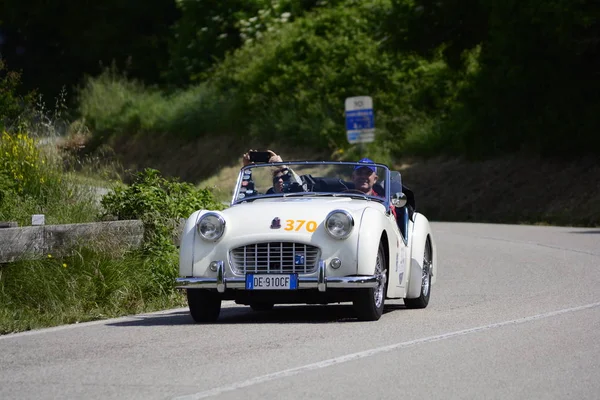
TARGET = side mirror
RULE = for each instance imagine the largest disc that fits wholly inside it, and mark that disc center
(399, 199)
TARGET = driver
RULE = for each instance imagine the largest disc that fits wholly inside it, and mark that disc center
(365, 176)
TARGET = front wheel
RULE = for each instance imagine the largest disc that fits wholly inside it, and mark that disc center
(368, 303)
(205, 306)
(423, 300)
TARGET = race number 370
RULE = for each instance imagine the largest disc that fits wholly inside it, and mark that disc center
(299, 224)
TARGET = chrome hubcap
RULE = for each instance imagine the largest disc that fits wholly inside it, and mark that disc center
(425, 281)
(381, 279)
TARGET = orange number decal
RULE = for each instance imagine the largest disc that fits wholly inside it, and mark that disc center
(298, 224)
(289, 224)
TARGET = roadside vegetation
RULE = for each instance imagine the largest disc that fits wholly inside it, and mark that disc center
(279, 73)
(39, 175)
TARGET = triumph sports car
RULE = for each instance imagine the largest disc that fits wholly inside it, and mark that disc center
(309, 232)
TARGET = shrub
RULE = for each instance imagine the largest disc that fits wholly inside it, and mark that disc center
(159, 203)
(12, 104)
(112, 105)
(32, 181)
(24, 164)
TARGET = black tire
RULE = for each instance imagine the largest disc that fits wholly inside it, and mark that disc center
(205, 306)
(368, 303)
(262, 306)
(423, 300)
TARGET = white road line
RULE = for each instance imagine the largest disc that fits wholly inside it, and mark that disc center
(368, 353)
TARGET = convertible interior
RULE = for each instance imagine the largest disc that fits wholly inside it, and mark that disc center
(337, 185)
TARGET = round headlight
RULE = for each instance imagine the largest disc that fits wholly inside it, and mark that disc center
(211, 227)
(339, 224)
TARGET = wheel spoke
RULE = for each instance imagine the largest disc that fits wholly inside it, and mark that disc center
(425, 280)
(381, 280)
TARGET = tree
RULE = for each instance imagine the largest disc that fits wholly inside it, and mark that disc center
(56, 43)
(537, 85)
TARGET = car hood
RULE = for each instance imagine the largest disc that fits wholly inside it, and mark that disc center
(258, 216)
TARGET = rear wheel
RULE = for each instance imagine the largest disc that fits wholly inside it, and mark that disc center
(205, 306)
(262, 306)
(368, 303)
(423, 300)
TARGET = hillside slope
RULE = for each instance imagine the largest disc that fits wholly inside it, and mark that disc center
(518, 190)
(508, 190)
(511, 189)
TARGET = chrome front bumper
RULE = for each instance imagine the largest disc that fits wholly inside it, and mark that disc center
(321, 281)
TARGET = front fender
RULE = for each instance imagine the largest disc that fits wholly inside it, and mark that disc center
(371, 229)
(421, 231)
(186, 247)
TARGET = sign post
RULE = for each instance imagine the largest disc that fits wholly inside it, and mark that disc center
(360, 122)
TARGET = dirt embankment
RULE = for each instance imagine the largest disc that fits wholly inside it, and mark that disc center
(508, 190)
(514, 189)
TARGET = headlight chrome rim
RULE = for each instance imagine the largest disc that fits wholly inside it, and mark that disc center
(349, 227)
(219, 228)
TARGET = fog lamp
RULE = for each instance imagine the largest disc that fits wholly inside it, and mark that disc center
(335, 263)
(213, 266)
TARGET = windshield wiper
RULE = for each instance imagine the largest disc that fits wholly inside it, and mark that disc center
(317, 194)
(300, 194)
(362, 196)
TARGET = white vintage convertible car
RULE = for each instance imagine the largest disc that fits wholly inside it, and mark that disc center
(301, 232)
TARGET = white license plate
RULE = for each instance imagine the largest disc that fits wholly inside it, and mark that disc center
(271, 281)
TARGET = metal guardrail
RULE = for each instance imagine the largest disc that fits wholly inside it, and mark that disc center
(34, 242)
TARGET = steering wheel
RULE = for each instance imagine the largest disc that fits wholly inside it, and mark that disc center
(353, 191)
(294, 187)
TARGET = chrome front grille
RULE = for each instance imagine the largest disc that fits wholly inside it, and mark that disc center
(275, 257)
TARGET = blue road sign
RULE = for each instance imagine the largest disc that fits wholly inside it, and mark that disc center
(360, 121)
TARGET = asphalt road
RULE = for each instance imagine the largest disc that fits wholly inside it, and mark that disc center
(515, 314)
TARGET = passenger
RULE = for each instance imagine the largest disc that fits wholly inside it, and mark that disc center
(284, 178)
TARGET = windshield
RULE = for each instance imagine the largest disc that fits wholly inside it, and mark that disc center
(308, 178)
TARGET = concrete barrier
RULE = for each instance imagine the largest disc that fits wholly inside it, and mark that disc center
(34, 242)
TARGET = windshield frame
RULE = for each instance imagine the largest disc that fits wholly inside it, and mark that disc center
(385, 200)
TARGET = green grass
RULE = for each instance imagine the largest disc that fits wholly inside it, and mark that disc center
(89, 285)
(112, 105)
(93, 282)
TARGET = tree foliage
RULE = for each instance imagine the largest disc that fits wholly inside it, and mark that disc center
(476, 77)
(210, 29)
(293, 82)
(56, 43)
(536, 88)
(12, 104)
